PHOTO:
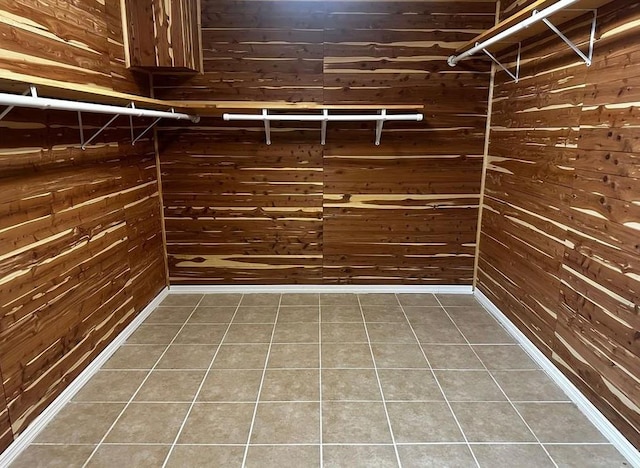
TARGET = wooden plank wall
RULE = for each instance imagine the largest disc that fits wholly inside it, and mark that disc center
(164, 35)
(73, 41)
(348, 212)
(559, 250)
(81, 250)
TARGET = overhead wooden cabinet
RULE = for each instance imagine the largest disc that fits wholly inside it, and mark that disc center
(163, 35)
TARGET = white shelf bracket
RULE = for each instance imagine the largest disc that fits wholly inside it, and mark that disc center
(133, 106)
(34, 93)
(267, 127)
(323, 130)
(81, 127)
(516, 75)
(587, 58)
(104, 127)
(379, 125)
(155, 122)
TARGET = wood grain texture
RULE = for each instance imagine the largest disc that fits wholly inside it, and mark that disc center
(163, 35)
(239, 211)
(70, 41)
(6, 432)
(81, 252)
(559, 244)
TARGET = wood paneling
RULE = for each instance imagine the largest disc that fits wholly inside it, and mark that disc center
(6, 432)
(76, 42)
(559, 246)
(239, 211)
(164, 35)
(81, 251)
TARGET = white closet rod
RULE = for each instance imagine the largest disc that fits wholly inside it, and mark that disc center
(534, 18)
(323, 117)
(36, 102)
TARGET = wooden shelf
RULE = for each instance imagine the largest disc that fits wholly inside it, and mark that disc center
(217, 108)
(17, 83)
(559, 18)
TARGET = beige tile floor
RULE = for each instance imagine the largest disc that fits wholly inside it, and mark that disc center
(334, 380)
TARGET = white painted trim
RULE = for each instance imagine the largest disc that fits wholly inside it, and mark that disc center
(31, 432)
(594, 415)
(320, 288)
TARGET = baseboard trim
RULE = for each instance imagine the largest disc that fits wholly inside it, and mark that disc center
(321, 288)
(594, 415)
(31, 432)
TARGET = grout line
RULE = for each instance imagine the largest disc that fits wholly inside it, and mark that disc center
(498, 385)
(320, 378)
(316, 368)
(438, 382)
(197, 394)
(63, 444)
(384, 403)
(149, 372)
(267, 402)
(264, 373)
(313, 342)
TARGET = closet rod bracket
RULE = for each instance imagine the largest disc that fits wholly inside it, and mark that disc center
(267, 126)
(379, 125)
(586, 58)
(31, 90)
(104, 127)
(146, 130)
(323, 129)
(516, 75)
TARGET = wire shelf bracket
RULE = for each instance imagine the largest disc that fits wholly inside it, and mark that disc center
(31, 90)
(588, 57)
(145, 131)
(105, 126)
(516, 75)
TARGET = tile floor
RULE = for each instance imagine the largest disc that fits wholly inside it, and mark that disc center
(334, 380)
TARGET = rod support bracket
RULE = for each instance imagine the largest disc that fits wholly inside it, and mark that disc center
(586, 58)
(155, 122)
(267, 127)
(323, 129)
(379, 125)
(515, 76)
(31, 90)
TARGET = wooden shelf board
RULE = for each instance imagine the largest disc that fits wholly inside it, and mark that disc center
(559, 18)
(17, 83)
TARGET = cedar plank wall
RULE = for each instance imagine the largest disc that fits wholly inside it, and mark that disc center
(559, 249)
(72, 41)
(164, 35)
(238, 211)
(81, 249)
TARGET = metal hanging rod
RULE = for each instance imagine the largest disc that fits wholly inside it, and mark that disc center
(324, 118)
(534, 18)
(36, 102)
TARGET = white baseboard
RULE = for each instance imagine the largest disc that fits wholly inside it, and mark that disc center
(321, 288)
(31, 432)
(594, 415)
